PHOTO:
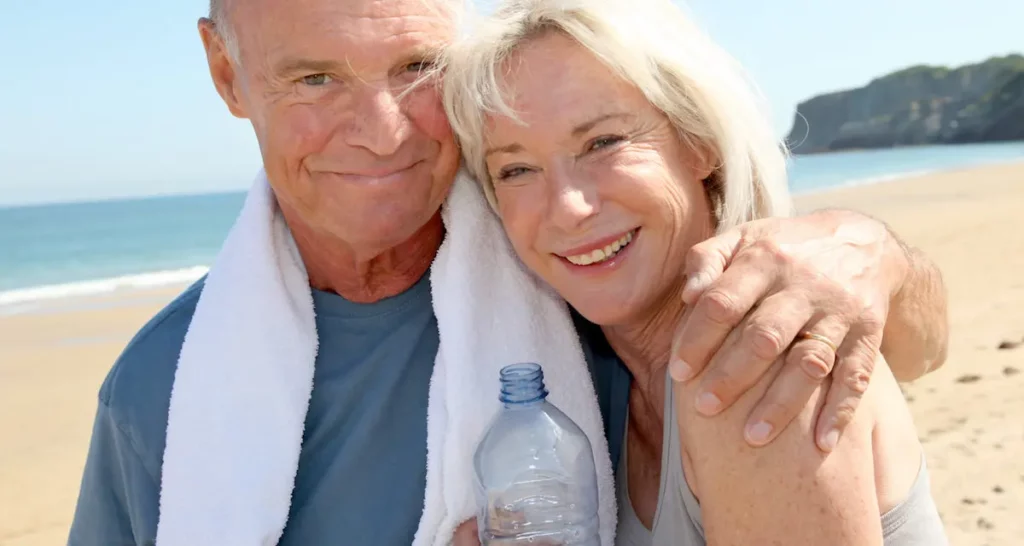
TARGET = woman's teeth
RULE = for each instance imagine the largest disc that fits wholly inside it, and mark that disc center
(602, 254)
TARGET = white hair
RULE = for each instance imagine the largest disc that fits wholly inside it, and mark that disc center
(222, 24)
(653, 45)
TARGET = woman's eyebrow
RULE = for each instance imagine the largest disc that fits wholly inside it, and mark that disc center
(588, 125)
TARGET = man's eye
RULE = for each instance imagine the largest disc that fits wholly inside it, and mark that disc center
(419, 66)
(316, 79)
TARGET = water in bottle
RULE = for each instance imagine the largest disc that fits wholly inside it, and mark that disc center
(536, 482)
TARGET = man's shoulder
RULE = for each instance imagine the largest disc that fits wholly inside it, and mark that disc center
(137, 390)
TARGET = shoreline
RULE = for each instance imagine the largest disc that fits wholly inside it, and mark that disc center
(901, 177)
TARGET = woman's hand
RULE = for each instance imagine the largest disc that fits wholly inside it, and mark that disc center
(815, 290)
(466, 534)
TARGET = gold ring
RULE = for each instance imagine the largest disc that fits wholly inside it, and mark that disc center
(819, 337)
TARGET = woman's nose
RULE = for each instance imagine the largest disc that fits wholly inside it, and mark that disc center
(574, 201)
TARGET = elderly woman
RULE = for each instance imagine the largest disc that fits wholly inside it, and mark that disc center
(611, 137)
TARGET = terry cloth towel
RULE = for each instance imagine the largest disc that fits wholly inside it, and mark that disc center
(245, 374)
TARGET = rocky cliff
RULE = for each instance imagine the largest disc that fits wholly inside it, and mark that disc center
(981, 102)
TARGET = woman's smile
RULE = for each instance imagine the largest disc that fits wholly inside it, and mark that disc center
(601, 256)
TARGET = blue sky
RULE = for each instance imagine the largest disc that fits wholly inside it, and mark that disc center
(111, 98)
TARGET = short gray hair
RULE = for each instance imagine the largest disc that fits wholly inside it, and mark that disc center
(219, 16)
(652, 44)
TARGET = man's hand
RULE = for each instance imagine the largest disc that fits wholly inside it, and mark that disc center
(814, 290)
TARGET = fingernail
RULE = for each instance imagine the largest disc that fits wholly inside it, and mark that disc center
(828, 443)
(708, 403)
(758, 432)
(679, 369)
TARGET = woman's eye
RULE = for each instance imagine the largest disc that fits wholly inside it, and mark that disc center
(316, 79)
(509, 172)
(604, 142)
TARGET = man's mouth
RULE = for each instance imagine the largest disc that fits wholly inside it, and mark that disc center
(605, 253)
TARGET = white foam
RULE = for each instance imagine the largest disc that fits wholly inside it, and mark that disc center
(101, 286)
(867, 181)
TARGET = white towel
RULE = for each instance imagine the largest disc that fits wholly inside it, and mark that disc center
(245, 374)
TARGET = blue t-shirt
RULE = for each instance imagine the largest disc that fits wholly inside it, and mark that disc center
(362, 468)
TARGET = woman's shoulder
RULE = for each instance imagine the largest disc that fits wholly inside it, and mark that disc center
(790, 480)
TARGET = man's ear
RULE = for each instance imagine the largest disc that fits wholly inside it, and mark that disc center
(222, 68)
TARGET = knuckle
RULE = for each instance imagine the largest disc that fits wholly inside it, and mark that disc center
(765, 340)
(844, 413)
(720, 307)
(816, 361)
(723, 386)
(777, 410)
(766, 244)
(699, 253)
(871, 320)
(857, 381)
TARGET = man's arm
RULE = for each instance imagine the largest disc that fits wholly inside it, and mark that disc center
(916, 335)
(118, 501)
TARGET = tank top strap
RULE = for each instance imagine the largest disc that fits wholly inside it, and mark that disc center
(678, 519)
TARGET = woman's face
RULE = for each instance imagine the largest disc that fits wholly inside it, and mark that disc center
(596, 191)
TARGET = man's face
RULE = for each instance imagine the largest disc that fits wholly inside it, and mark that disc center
(321, 82)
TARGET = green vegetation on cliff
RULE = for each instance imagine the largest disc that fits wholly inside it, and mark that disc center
(981, 102)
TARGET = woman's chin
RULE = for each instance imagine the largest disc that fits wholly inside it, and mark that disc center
(602, 313)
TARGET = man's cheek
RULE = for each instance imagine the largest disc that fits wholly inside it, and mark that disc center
(427, 112)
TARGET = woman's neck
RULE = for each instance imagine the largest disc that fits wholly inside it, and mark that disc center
(645, 344)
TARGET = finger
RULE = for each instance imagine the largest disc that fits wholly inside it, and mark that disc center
(706, 261)
(466, 534)
(851, 376)
(750, 350)
(716, 313)
(807, 363)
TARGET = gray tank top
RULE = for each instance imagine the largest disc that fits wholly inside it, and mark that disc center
(677, 519)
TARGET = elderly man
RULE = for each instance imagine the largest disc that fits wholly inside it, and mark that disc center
(360, 164)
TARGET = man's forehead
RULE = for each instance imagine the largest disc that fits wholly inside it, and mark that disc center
(295, 13)
(353, 28)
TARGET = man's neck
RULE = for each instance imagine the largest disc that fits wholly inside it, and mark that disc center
(333, 266)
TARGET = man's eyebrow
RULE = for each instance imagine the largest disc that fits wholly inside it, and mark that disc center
(294, 65)
(586, 126)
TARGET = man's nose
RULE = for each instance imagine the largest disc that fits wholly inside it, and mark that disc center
(378, 122)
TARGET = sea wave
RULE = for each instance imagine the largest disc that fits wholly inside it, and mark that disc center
(154, 279)
(866, 181)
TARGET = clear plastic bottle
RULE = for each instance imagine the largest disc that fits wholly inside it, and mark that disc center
(535, 476)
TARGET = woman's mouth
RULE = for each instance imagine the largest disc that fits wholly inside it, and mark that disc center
(603, 254)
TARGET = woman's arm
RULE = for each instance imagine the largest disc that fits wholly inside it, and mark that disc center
(788, 492)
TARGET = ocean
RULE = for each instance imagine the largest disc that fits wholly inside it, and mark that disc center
(77, 249)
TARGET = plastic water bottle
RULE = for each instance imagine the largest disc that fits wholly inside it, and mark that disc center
(536, 482)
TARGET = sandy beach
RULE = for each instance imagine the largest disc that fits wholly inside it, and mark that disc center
(969, 414)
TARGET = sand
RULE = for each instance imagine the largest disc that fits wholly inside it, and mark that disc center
(970, 413)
